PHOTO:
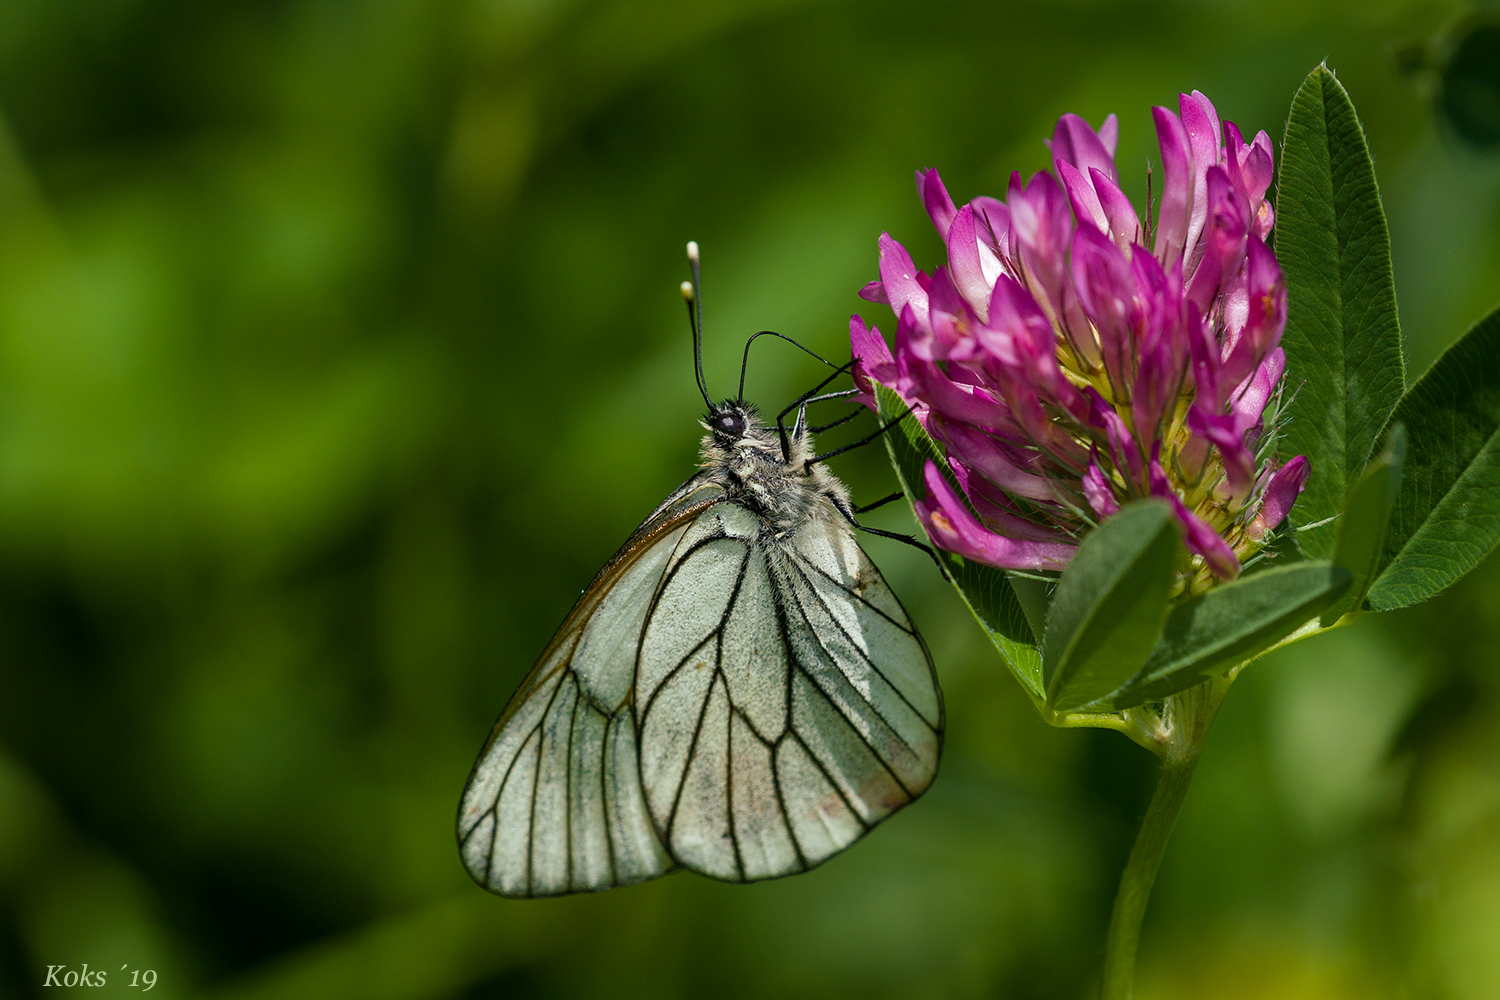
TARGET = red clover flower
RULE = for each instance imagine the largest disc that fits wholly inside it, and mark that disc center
(1070, 358)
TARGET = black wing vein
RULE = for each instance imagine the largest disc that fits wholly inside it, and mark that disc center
(823, 691)
(807, 563)
(863, 656)
(791, 731)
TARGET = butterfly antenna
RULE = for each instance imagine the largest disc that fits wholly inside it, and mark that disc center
(745, 363)
(693, 296)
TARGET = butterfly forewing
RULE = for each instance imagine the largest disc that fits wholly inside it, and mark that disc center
(554, 803)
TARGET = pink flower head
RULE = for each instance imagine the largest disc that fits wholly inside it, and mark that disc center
(1070, 357)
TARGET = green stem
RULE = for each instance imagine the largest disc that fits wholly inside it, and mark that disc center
(1177, 739)
(1140, 873)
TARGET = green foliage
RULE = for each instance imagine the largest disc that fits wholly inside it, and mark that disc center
(1362, 528)
(1110, 605)
(1232, 624)
(1342, 339)
(1446, 516)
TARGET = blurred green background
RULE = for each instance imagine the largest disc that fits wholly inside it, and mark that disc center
(340, 344)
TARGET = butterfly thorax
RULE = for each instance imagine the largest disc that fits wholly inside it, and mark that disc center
(745, 457)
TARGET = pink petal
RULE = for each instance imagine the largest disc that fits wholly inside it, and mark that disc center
(1098, 492)
(1076, 328)
(1043, 227)
(1203, 353)
(1163, 346)
(1225, 433)
(950, 526)
(1281, 493)
(968, 404)
(1223, 243)
(1232, 162)
(875, 292)
(1106, 289)
(964, 264)
(1264, 219)
(953, 322)
(1086, 207)
(992, 225)
(1266, 312)
(902, 282)
(997, 511)
(873, 361)
(1077, 145)
(935, 199)
(912, 341)
(1177, 187)
(1124, 224)
(1157, 383)
(1123, 450)
(1201, 122)
(1253, 161)
(1250, 399)
(1014, 312)
(1159, 298)
(1109, 135)
(1196, 534)
(1022, 344)
(983, 454)
(1234, 308)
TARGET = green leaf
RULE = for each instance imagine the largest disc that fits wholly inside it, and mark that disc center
(990, 599)
(1447, 513)
(987, 591)
(1231, 624)
(1110, 605)
(1362, 529)
(1343, 340)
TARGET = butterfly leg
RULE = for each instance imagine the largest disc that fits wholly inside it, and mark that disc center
(848, 515)
(800, 405)
(908, 539)
(862, 441)
(841, 420)
(879, 503)
(799, 426)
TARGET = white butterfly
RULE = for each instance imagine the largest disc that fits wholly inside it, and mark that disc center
(737, 692)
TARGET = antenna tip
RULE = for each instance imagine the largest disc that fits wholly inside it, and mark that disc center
(693, 251)
(687, 290)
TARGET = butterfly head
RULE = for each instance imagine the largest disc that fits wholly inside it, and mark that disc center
(729, 421)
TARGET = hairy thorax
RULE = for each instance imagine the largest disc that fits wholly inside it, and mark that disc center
(788, 492)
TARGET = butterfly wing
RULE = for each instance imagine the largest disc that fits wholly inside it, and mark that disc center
(554, 803)
(784, 702)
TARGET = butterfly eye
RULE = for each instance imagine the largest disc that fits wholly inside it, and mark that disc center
(730, 423)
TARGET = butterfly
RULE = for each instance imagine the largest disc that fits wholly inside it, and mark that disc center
(738, 691)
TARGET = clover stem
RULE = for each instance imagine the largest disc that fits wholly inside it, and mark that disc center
(1139, 874)
(1190, 713)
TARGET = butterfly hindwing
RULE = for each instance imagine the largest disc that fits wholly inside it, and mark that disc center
(784, 701)
(862, 655)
